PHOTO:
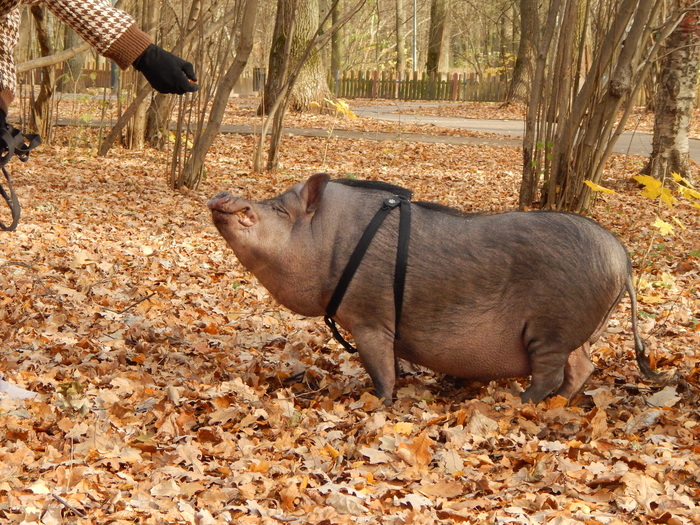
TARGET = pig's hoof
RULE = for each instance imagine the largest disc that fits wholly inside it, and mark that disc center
(530, 395)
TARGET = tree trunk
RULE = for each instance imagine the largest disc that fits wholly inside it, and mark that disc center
(675, 99)
(311, 85)
(523, 71)
(336, 42)
(41, 108)
(283, 97)
(161, 107)
(532, 146)
(72, 80)
(437, 38)
(400, 37)
(137, 129)
(278, 64)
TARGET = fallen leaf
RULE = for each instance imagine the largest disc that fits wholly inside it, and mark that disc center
(664, 398)
(444, 488)
(418, 451)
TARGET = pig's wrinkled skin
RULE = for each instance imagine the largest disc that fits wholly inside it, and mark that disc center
(486, 297)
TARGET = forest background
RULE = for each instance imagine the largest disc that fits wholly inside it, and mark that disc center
(172, 389)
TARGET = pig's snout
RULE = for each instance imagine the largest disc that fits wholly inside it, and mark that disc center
(221, 202)
(224, 206)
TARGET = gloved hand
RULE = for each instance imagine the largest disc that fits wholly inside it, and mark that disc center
(166, 72)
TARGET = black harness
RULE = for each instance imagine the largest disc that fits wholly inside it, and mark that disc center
(356, 258)
(12, 142)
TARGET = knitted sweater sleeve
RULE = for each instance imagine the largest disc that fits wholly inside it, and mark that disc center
(9, 34)
(112, 32)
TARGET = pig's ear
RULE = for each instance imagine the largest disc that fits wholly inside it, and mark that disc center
(313, 190)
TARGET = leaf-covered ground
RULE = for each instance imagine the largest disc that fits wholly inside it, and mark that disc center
(172, 388)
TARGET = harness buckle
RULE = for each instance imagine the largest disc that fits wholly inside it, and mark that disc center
(392, 202)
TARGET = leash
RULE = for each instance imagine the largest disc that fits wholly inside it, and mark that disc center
(12, 142)
(358, 254)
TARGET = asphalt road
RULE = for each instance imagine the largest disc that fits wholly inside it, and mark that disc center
(630, 143)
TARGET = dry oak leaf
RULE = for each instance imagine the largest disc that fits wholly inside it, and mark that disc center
(418, 452)
(346, 504)
(376, 456)
(167, 489)
(443, 488)
(640, 488)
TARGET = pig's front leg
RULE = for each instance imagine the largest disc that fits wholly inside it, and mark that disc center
(376, 350)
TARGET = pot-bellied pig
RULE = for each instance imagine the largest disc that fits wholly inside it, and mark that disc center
(475, 296)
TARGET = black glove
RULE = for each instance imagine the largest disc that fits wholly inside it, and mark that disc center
(166, 72)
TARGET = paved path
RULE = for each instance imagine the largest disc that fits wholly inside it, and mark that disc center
(380, 136)
(632, 143)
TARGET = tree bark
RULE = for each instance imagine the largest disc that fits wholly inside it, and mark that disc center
(157, 116)
(280, 54)
(41, 108)
(400, 37)
(54, 59)
(311, 86)
(532, 154)
(677, 87)
(161, 106)
(116, 130)
(137, 130)
(72, 77)
(283, 97)
(437, 38)
(57, 58)
(523, 71)
(572, 128)
(336, 42)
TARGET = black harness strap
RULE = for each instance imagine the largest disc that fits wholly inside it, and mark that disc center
(358, 254)
(12, 142)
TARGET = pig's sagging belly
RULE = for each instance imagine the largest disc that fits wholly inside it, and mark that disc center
(480, 355)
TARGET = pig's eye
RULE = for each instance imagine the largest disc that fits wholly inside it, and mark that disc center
(280, 210)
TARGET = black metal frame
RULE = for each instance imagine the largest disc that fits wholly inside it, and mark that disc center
(13, 143)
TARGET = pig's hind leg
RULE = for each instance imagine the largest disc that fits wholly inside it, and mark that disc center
(548, 357)
(577, 370)
(579, 366)
(553, 366)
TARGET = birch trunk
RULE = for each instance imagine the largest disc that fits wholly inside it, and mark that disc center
(675, 101)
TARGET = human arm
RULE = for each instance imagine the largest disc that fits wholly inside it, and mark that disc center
(115, 35)
(9, 34)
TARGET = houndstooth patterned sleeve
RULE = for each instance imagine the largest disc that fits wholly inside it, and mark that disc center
(112, 32)
(9, 34)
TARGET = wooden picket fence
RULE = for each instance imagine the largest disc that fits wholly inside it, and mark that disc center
(419, 86)
(462, 87)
